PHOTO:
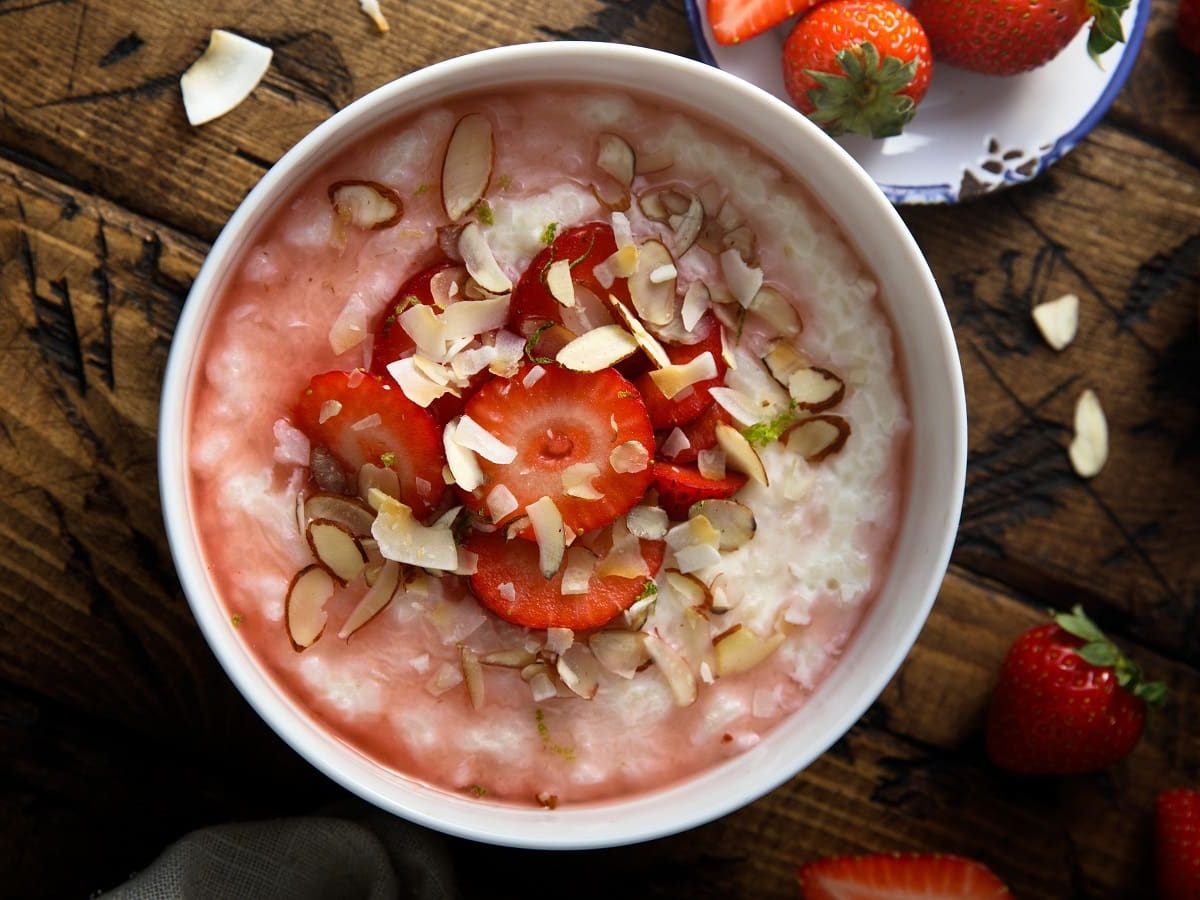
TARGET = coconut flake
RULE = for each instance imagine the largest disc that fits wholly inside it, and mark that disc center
(577, 575)
(711, 464)
(1089, 448)
(352, 325)
(500, 502)
(464, 467)
(559, 640)
(631, 456)
(507, 592)
(673, 378)
(744, 281)
(402, 538)
(414, 384)
(374, 420)
(329, 409)
(225, 74)
(647, 522)
(547, 525)
(427, 331)
(577, 481)
(480, 261)
(473, 436)
(533, 376)
(510, 350)
(444, 679)
(469, 318)
(696, 301)
(675, 443)
(292, 446)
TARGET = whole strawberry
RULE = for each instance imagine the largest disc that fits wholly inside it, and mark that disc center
(1177, 844)
(1017, 35)
(858, 66)
(1067, 700)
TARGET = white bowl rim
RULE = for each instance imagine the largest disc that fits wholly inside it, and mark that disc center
(623, 820)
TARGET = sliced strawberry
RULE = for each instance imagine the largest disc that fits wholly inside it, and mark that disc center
(405, 438)
(701, 432)
(688, 404)
(680, 486)
(562, 419)
(734, 21)
(507, 581)
(929, 876)
(585, 246)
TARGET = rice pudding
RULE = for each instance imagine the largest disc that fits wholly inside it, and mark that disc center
(677, 562)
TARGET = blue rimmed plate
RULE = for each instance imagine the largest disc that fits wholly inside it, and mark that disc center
(972, 133)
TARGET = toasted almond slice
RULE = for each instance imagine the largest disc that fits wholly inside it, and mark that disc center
(225, 74)
(815, 389)
(473, 436)
(577, 481)
(649, 523)
(739, 454)
(548, 531)
(467, 165)
(687, 228)
(621, 652)
(464, 466)
(730, 217)
(674, 669)
(402, 538)
(472, 675)
(612, 197)
(777, 311)
(336, 548)
(739, 650)
(696, 301)
(631, 456)
(304, 606)
(372, 10)
(1089, 448)
(711, 463)
(480, 261)
(744, 280)
(375, 600)
(723, 599)
(471, 318)
(675, 202)
(693, 591)
(579, 671)
(558, 280)
(650, 161)
(444, 679)
(366, 204)
(783, 360)
(649, 344)
(577, 576)
(673, 378)
(541, 684)
(355, 515)
(818, 437)
(651, 205)
(653, 300)
(734, 520)
(514, 658)
(1058, 320)
(598, 349)
(616, 157)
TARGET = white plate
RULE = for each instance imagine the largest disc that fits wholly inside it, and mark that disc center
(972, 133)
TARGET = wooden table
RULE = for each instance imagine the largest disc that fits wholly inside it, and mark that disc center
(119, 732)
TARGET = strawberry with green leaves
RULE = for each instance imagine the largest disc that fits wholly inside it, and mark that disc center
(1017, 35)
(1067, 700)
(734, 21)
(1177, 844)
(886, 876)
(858, 66)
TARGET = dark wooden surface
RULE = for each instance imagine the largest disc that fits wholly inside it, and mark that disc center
(118, 731)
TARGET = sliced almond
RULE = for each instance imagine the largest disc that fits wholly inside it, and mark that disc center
(372, 10)
(711, 463)
(739, 650)
(375, 600)
(621, 652)
(558, 281)
(514, 658)
(674, 669)
(673, 378)
(541, 684)
(464, 466)
(1058, 320)
(739, 454)
(613, 197)
(635, 617)
(723, 598)
(815, 389)
(472, 318)
(598, 349)
(336, 549)
(734, 520)
(547, 525)
(783, 360)
(577, 575)
(744, 280)
(650, 161)
(304, 606)
(480, 261)
(467, 165)
(577, 481)
(687, 227)
(651, 205)
(579, 671)
(741, 241)
(402, 538)
(777, 311)
(366, 204)
(472, 675)
(225, 74)
(1089, 448)
(818, 437)
(691, 589)
(649, 344)
(616, 157)
(473, 436)
(649, 523)
(675, 202)
(696, 301)
(630, 456)
(654, 300)
(355, 515)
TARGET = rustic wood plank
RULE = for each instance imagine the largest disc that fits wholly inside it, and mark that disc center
(121, 63)
(1101, 225)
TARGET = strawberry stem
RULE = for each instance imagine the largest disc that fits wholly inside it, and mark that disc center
(1106, 27)
(867, 99)
(1100, 651)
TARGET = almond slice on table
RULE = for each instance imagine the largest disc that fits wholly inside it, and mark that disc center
(616, 157)
(739, 454)
(1058, 320)
(375, 600)
(654, 300)
(1089, 447)
(674, 669)
(739, 650)
(621, 652)
(366, 204)
(336, 549)
(818, 437)
(371, 8)
(224, 75)
(304, 606)
(548, 531)
(467, 165)
(815, 389)
(598, 349)
(735, 521)
(351, 512)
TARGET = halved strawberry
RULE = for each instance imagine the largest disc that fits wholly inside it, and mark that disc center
(680, 486)
(507, 581)
(403, 437)
(559, 420)
(929, 876)
(687, 405)
(701, 432)
(734, 21)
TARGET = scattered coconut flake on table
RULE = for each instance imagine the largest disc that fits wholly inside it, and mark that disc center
(223, 76)
(1058, 320)
(371, 8)
(1089, 449)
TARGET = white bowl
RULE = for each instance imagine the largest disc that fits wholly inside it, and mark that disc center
(934, 489)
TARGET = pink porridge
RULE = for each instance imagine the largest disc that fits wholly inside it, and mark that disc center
(548, 448)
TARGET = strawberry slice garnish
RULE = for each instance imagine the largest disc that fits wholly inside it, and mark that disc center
(701, 433)
(734, 21)
(692, 401)
(555, 421)
(1177, 844)
(893, 875)
(368, 420)
(680, 486)
(507, 581)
